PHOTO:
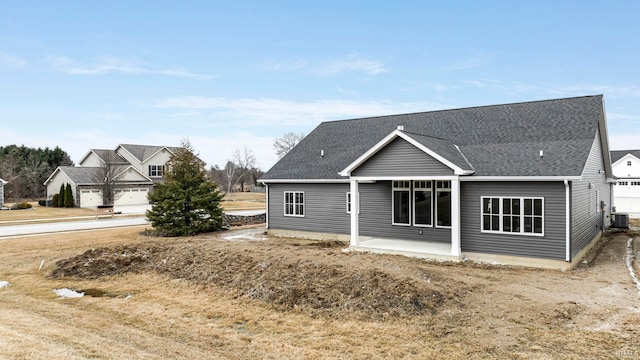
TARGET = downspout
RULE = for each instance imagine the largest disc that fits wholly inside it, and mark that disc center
(266, 215)
(567, 220)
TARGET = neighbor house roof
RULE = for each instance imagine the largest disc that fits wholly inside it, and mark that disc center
(497, 140)
(90, 175)
(144, 152)
(110, 156)
(619, 154)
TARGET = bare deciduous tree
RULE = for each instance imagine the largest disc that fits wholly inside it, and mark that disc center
(105, 177)
(242, 164)
(286, 142)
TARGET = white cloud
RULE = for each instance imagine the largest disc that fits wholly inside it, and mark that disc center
(273, 65)
(470, 62)
(624, 141)
(353, 63)
(112, 65)
(10, 61)
(265, 111)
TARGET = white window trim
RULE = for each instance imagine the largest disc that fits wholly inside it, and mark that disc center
(393, 202)
(413, 203)
(304, 206)
(597, 201)
(348, 202)
(501, 214)
(156, 169)
(435, 200)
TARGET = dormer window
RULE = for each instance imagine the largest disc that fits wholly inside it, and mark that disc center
(628, 162)
(156, 171)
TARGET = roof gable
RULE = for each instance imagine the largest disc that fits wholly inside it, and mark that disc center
(448, 154)
(621, 155)
(90, 175)
(498, 140)
(144, 152)
(104, 156)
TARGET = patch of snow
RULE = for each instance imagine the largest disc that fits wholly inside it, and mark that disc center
(67, 293)
(4, 284)
(629, 260)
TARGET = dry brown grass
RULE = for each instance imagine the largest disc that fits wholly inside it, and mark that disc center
(495, 312)
(244, 201)
(42, 212)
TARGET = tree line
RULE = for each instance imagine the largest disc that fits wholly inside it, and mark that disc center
(26, 169)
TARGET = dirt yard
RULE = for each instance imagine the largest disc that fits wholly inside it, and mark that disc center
(239, 294)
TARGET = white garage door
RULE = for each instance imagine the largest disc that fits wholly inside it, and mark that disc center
(90, 198)
(629, 205)
(134, 196)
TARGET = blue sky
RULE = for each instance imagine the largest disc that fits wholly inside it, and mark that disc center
(234, 74)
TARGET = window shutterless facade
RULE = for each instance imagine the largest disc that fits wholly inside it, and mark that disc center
(513, 215)
(156, 170)
(294, 203)
(443, 203)
(401, 203)
(422, 204)
(414, 205)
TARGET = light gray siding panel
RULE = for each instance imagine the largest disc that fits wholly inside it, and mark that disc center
(400, 158)
(585, 221)
(550, 246)
(325, 208)
(375, 217)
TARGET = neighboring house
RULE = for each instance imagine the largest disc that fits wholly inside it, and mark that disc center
(135, 169)
(626, 191)
(524, 183)
(2, 184)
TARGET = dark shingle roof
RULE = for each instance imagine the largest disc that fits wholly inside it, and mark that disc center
(143, 152)
(89, 175)
(619, 154)
(110, 156)
(497, 140)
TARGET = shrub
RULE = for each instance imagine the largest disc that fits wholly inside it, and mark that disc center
(21, 206)
(61, 198)
(55, 200)
(68, 197)
(42, 202)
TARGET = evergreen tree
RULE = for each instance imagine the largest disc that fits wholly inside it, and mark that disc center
(61, 196)
(55, 200)
(68, 197)
(187, 202)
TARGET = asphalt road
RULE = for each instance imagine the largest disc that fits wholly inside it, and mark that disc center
(33, 229)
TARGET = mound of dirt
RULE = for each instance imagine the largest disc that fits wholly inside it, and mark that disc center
(318, 278)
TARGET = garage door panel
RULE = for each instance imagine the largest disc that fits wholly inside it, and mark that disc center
(90, 198)
(131, 196)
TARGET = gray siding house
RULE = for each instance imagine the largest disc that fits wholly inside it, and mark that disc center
(525, 183)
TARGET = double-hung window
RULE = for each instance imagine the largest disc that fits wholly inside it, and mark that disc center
(294, 203)
(401, 202)
(516, 215)
(156, 170)
(422, 203)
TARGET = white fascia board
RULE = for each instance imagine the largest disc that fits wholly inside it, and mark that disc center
(374, 149)
(362, 179)
(456, 169)
(625, 158)
(304, 181)
(53, 174)
(134, 169)
(521, 178)
(392, 136)
(5, 182)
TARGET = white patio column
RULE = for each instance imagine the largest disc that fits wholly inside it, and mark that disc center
(455, 217)
(355, 205)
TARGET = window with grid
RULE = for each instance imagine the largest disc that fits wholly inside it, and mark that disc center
(516, 215)
(422, 203)
(294, 203)
(401, 202)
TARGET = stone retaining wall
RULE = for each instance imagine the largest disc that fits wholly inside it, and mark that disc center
(238, 220)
